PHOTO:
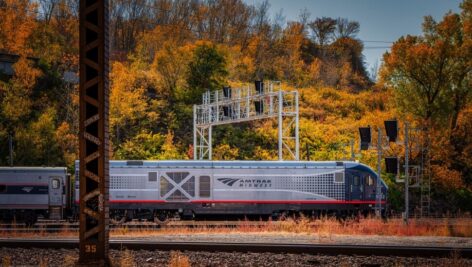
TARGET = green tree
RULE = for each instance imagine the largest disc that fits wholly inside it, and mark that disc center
(207, 71)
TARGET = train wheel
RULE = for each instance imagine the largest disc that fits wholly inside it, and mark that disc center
(30, 218)
(280, 216)
(161, 217)
(119, 218)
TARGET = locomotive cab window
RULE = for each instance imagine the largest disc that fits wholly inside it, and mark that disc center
(356, 180)
(204, 186)
(369, 180)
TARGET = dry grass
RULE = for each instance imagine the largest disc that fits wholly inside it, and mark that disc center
(6, 261)
(127, 259)
(455, 260)
(70, 260)
(324, 228)
(178, 259)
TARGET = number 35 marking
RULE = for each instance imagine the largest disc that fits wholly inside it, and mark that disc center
(90, 248)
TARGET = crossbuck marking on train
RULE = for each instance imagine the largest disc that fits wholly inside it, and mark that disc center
(177, 186)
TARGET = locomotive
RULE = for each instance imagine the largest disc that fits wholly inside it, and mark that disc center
(159, 190)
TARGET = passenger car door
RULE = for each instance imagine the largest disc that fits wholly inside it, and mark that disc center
(55, 191)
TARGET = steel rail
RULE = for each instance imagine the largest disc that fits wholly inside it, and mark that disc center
(364, 250)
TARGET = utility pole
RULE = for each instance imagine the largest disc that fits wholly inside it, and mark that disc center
(407, 152)
(280, 124)
(307, 152)
(93, 133)
(378, 190)
(10, 146)
(353, 156)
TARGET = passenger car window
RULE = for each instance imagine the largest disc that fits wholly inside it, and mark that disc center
(3, 188)
(204, 186)
(56, 183)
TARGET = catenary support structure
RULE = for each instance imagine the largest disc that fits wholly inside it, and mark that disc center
(236, 105)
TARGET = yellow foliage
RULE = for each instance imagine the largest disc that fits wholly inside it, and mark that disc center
(17, 93)
(68, 142)
(225, 152)
(127, 97)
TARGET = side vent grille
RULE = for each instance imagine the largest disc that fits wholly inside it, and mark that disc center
(134, 163)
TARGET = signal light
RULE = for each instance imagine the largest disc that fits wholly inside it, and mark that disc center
(391, 127)
(227, 92)
(259, 87)
(391, 164)
(366, 137)
(259, 106)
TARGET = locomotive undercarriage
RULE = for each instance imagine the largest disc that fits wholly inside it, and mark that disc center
(120, 215)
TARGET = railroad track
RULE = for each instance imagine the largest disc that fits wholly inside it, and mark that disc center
(365, 250)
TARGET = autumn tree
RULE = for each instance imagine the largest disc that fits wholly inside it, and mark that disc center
(431, 77)
(346, 28)
(128, 105)
(17, 23)
(17, 93)
(323, 30)
(431, 73)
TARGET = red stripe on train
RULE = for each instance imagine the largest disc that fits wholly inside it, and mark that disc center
(289, 201)
(24, 184)
(131, 201)
(253, 201)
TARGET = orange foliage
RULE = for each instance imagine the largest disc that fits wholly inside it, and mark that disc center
(16, 25)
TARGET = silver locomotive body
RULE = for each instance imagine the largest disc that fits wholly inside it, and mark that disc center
(238, 187)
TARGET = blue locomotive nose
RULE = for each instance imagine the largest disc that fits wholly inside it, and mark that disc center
(362, 184)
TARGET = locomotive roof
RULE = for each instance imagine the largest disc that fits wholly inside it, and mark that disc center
(37, 169)
(231, 164)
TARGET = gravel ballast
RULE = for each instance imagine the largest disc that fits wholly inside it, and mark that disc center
(64, 257)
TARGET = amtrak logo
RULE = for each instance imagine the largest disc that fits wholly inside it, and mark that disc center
(228, 181)
(256, 183)
(27, 189)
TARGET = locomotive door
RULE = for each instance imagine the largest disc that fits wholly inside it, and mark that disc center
(55, 197)
(356, 186)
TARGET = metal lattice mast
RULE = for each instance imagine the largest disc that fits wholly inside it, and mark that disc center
(407, 174)
(425, 183)
(93, 132)
(234, 105)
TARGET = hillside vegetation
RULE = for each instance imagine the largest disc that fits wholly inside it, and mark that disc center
(166, 53)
